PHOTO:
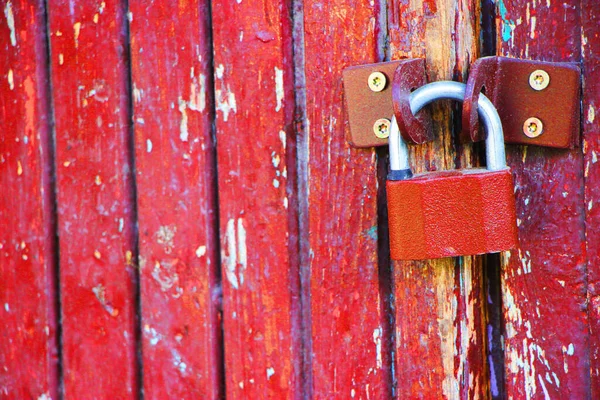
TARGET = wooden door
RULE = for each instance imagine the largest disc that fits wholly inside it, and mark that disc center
(181, 217)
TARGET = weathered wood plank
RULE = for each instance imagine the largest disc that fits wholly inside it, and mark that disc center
(440, 307)
(591, 102)
(95, 207)
(350, 336)
(176, 184)
(544, 280)
(28, 352)
(257, 197)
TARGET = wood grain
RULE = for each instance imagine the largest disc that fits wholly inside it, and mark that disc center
(590, 21)
(349, 334)
(176, 192)
(28, 337)
(440, 349)
(254, 102)
(544, 280)
(95, 205)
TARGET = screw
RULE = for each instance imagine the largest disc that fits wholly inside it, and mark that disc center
(381, 128)
(377, 81)
(539, 79)
(533, 127)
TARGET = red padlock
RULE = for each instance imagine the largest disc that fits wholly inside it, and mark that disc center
(450, 213)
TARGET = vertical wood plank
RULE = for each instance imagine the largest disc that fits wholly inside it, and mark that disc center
(173, 111)
(440, 307)
(95, 207)
(349, 347)
(591, 103)
(544, 280)
(257, 199)
(28, 353)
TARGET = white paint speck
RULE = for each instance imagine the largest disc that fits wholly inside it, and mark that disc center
(377, 340)
(10, 21)
(10, 78)
(571, 349)
(231, 256)
(6, 307)
(279, 92)
(148, 145)
(270, 372)
(183, 125)
(242, 249)
(591, 114)
(76, 30)
(200, 251)
(282, 137)
(276, 183)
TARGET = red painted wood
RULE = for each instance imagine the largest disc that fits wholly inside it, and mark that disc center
(544, 280)
(590, 20)
(28, 348)
(257, 201)
(349, 333)
(440, 315)
(173, 111)
(95, 208)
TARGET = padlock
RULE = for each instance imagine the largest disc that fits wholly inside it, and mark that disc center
(450, 213)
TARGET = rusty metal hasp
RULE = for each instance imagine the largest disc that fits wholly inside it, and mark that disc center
(539, 103)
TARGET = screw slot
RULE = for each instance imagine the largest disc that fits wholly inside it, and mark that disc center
(533, 127)
(377, 81)
(381, 128)
(539, 79)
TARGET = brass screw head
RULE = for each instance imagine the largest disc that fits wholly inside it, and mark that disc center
(381, 128)
(533, 127)
(539, 79)
(377, 81)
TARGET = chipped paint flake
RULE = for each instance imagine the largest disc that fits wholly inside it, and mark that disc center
(591, 114)
(148, 145)
(10, 21)
(183, 125)
(19, 168)
(242, 249)
(377, 340)
(76, 30)
(279, 91)
(231, 256)
(270, 372)
(10, 78)
(200, 251)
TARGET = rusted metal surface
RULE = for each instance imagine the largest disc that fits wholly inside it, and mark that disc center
(349, 321)
(451, 213)
(175, 178)
(507, 84)
(364, 106)
(409, 75)
(439, 305)
(544, 281)
(95, 198)
(28, 336)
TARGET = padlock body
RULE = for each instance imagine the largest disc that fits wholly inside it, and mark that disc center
(451, 213)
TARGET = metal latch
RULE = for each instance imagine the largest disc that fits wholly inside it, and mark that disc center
(539, 103)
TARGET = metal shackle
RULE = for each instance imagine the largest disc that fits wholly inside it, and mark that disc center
(494, 144)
